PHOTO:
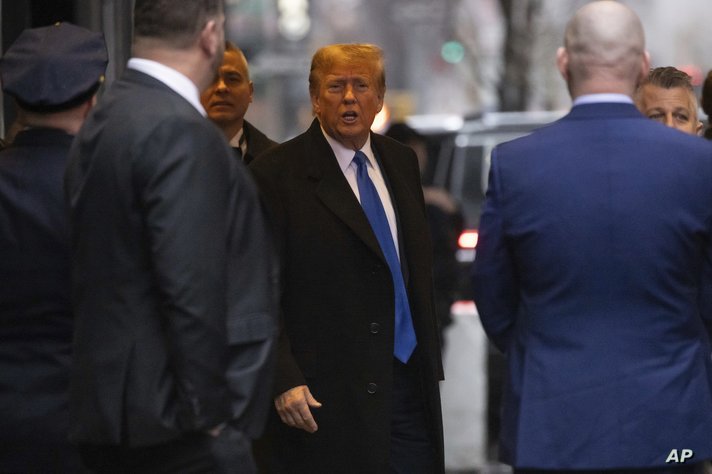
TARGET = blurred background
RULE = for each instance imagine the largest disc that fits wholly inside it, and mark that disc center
(467, 74)
(452, 57)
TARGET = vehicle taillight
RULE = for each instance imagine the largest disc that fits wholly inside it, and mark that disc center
(468, 239)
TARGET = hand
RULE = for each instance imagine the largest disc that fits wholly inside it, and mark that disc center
(293, 408)
(215, 432)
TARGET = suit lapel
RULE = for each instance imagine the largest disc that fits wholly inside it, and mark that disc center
(334, 191)
(401, 198)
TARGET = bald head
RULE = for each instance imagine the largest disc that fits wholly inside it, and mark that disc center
(604, 50)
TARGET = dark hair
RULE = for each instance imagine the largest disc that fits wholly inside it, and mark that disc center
(706, 103)
(175, 21)
(668, 77)
(230, 46)
(706, 100)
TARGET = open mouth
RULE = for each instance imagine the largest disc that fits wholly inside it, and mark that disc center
(349, 117)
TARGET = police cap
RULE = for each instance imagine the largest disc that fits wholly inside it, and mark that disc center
(54, 67)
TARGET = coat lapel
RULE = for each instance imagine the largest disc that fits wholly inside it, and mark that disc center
(334, 191)
(404, 202)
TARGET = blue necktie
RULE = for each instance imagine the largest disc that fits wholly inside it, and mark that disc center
(404, 338)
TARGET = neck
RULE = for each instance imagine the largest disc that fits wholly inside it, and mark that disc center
(69, 121)
(186, 61)
(231, 129)
(600, 87)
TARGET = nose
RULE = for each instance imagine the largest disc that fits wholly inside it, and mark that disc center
(220, 84)
(669, 121)
(349, 95)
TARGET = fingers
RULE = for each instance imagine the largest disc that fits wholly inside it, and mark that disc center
(293, 408)
(311, 401)
(215, 432)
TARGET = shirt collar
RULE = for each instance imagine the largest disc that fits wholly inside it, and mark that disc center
(344, 155)
(601, 98)
(237, 140)
(170, 77)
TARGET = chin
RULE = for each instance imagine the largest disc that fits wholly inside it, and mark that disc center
(220, 117)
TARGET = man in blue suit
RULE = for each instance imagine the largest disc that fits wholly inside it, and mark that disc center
(594, 272)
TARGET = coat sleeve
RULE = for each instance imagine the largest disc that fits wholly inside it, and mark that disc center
(287, 373)
(494, 282)
(252, 307)
(184, 194)
(705, 292)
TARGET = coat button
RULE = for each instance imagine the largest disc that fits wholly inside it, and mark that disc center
(372, 388)
(374, 328)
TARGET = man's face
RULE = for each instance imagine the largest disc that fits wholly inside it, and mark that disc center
(347, 102)
(675, 107)
(227, 99)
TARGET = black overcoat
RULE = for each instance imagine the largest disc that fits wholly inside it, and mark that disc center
(337, 303)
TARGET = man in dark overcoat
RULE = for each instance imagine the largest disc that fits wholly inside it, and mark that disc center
(356, 389)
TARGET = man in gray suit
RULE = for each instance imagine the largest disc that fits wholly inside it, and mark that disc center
(164, 221)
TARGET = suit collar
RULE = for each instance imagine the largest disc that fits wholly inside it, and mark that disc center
(42, 137)
(333, 190)
(602, 98)
(605, 110)
(177, 81)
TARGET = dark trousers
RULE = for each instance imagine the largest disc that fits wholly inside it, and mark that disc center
(685, 469)
(189, 454)
(193, 453)
(412, 449)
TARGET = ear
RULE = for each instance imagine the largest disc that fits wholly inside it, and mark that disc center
(210, 39)
(562, 62)
(315, 104)
(89, 104)
(252, 90)
(381, 97)
(699, 129)
(644, 67)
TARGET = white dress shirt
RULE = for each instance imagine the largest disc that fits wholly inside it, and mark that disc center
(345, 158)
(170, 77)
(238, 142)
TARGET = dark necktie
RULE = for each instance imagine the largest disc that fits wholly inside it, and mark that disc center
(404, 337)
(238, 149)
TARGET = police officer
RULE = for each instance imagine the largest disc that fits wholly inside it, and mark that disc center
(53, 73)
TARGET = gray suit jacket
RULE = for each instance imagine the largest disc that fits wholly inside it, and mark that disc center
(164, 225)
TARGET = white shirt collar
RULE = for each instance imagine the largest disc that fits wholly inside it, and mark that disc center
(235, 141)
(170, 77)
(346, 155)
(601, 98)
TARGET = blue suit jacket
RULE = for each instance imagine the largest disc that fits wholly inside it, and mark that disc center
(593, 276)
